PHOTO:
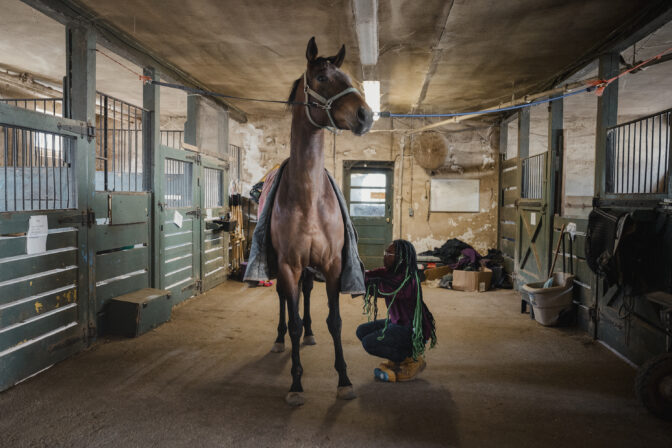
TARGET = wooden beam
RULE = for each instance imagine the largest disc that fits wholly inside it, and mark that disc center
(607, 115)
(153, 159)
(80, 84)
(114, 39)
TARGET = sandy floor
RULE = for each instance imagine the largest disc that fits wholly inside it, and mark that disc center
(207, 379)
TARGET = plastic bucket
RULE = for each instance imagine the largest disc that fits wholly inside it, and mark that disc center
(549, 303)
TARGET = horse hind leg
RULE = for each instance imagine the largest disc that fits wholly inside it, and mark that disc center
(307, 279)
(345, 390)
(279, 345)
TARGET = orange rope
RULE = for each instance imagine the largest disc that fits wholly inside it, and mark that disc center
(143, 78)
(602, 84)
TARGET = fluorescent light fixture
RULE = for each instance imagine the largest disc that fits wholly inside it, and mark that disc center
(372, 97)
(366, 24)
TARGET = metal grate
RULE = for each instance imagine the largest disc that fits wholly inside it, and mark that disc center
(213, 187)
(36, 172)
(48, 106)
(533, 176)
(178, 183)
(638, 155)
(119, 145)
(235, 160)
(172, 139)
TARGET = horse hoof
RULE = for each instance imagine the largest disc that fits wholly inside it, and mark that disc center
(346, 393)
(309, 340)
(278, 347)
(295, 399)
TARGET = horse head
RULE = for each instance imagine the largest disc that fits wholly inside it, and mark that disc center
(335, 103)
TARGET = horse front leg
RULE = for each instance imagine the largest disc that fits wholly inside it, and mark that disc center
(307, 279)
(288, 287)
(279, 345)
(345, 390)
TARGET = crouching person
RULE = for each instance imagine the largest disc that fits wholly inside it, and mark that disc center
(401, 337)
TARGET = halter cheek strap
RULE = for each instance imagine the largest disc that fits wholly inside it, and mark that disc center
(324, 104)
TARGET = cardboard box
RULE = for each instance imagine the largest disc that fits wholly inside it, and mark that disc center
(472, 280)
(437, 272)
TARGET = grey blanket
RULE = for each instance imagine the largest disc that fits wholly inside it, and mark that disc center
(262, 264)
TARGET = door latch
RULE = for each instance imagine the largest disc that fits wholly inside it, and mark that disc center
(196, 213)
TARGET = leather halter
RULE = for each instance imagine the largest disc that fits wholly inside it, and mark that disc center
(325, 104)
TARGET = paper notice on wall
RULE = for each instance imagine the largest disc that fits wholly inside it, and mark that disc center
(533, 219)
(208, 213)
(36, 237)
(177, 219)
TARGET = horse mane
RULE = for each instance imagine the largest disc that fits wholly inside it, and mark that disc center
(292, 94)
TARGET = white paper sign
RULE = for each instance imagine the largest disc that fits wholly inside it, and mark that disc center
(177, 219)
(208, 213)
(533, 219)
(36, 238)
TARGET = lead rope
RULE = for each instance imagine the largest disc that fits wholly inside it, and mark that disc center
(417, 338)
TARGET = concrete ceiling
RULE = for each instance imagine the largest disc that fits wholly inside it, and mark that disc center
(435, 55)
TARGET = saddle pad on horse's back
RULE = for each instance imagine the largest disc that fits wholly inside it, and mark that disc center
(262, 264)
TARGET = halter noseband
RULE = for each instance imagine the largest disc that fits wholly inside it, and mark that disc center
(325, 104)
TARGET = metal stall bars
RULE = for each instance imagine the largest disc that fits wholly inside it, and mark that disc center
(173, 139)
(638, 158)
(121, 203)
(43, 308)
(47, 106)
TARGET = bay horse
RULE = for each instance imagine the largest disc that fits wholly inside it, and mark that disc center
(307, 227)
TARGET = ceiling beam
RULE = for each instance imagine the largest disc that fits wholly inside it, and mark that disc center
(119, 42)
(437, 54)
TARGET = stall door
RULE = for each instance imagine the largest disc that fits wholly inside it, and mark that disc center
(533, 221)
(214, 204)
(368, 192)
(180, 224)
(43, 233)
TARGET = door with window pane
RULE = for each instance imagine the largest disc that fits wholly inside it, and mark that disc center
(368, 192)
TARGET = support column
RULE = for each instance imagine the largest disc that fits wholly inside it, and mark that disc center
(191, 125)
(523, 152)
(553, 193)
(155, 177)
(80, 93)
(607, 115)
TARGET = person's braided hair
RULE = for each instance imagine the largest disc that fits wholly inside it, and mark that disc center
(405, 263)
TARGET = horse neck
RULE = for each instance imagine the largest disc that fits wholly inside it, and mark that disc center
(306, 160)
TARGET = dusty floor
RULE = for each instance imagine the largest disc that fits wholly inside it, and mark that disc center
(207, 379)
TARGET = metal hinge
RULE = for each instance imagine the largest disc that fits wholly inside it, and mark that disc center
(197, 213)
(195, 285)
(87, 218)
(196, 158)
(84, 131)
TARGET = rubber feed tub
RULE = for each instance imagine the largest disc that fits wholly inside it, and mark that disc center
(549, 303)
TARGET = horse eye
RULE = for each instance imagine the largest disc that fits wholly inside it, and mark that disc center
(322, 78)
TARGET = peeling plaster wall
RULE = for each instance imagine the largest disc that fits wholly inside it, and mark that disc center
(265, 143)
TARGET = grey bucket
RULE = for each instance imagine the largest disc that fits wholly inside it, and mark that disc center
(549, 303)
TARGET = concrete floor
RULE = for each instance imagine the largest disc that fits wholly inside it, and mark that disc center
(207, 379)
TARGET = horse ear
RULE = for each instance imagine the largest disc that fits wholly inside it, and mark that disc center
(311, 50)
(338, 59)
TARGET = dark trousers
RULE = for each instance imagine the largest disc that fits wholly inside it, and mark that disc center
(396, 344)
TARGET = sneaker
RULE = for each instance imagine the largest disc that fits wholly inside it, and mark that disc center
(410, 368)
(385, 374)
